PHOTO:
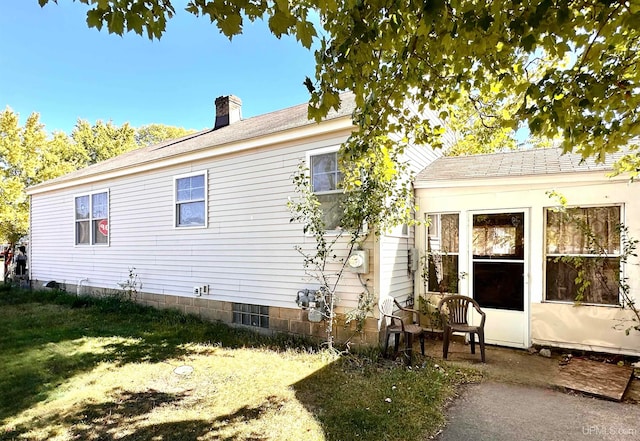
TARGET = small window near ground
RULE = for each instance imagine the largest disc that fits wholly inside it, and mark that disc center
(251, 315)
(191, 201)
(442, 252)
(326, 183)
(583, 255)
(92, 219)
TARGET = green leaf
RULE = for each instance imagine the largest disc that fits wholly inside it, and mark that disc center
(528, 42)
(305, 32)
(115, 22)
(231, 25)
(485, 22)
(94, 19)
(279, 23)
(134, 23)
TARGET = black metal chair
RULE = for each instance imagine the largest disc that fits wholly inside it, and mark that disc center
(455, 318)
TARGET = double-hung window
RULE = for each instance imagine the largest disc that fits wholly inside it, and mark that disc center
(92, 218)
(191, 200)
(583, 255)
(326, 184)
(442, 252)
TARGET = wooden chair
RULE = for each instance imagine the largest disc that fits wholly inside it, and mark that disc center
(396, 325)
(455, 318)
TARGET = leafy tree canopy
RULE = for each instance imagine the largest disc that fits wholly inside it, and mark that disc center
(29, 156)
(156, 133)
(20, 148)
(102, 141)
(567, 68)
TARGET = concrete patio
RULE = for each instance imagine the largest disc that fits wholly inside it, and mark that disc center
(512, 366)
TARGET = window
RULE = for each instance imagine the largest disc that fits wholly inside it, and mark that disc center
(92, 219)
(498, 260)
(583, 244)
(498, 236)
(442, 252)
(251, 315)
(191, 200)
(326, 183)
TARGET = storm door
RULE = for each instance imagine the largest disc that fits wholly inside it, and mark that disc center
(498, 275)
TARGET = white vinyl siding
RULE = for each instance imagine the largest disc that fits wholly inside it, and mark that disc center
(396, 279)
(246, 255)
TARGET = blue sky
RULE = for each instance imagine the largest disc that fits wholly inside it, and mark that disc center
(53, 64)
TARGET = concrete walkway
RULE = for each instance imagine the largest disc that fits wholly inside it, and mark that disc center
(517, 401)
(492, 411)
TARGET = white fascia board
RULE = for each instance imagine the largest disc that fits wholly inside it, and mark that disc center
(557, 178)
(307, 131)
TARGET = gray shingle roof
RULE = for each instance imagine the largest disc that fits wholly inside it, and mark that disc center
(246, 129)
(510, 164)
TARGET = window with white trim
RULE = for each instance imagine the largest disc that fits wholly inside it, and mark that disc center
(442, 252)
(92, 218)
(582, 255)
(190, 200)
(326, 184)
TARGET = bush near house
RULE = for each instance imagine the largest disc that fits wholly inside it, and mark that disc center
(88, 368)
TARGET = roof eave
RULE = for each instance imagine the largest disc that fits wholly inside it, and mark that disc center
(334, 125)
(551, 178)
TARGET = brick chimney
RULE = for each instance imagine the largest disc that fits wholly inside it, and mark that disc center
(228, 110)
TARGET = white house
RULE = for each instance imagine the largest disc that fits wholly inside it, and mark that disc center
(204, 221)
(495, 236)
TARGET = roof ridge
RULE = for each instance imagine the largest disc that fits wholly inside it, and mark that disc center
(509, 152)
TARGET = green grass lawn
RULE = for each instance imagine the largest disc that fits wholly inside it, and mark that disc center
(83, 368)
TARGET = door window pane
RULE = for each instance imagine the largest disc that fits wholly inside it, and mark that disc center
(499, 285)
(498, 260)
(498, 236)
